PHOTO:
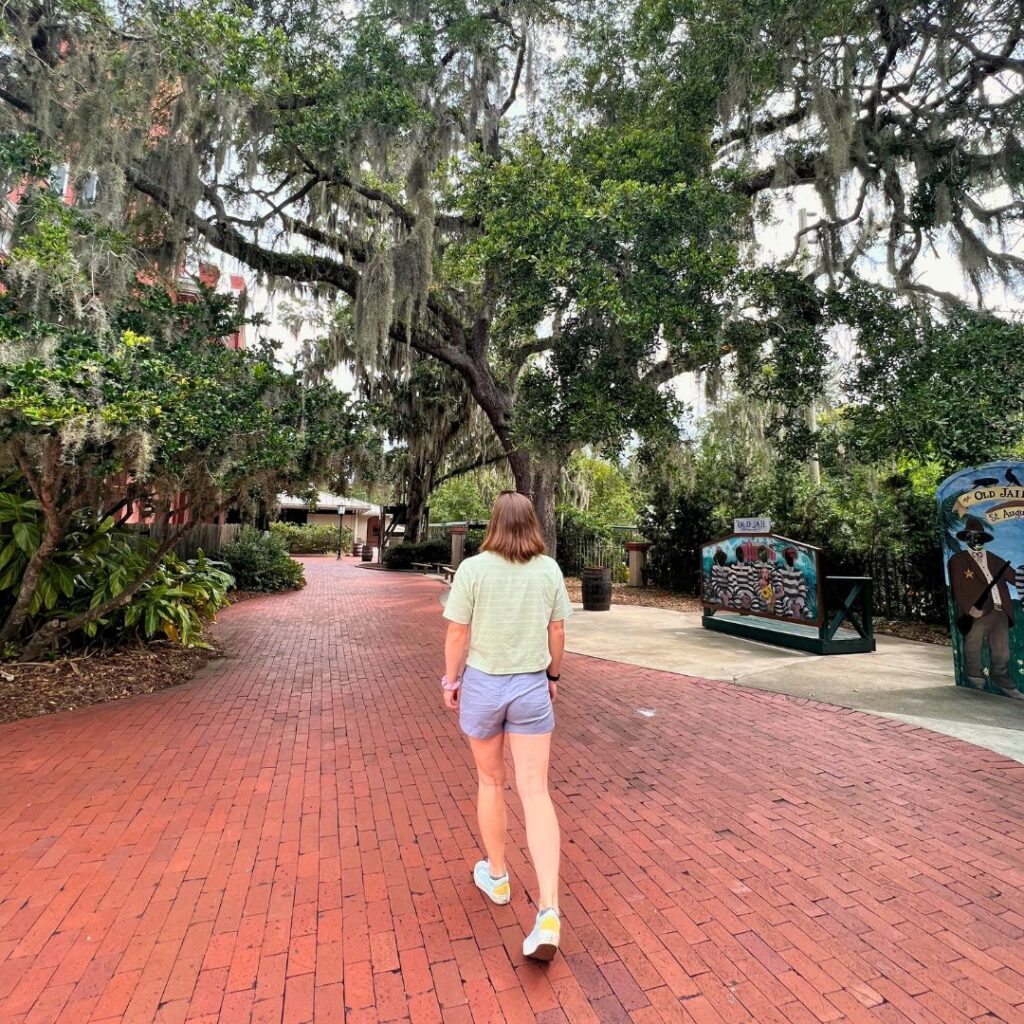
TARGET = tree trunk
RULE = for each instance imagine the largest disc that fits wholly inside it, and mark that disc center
(543, 487)
(537, 477)
(52, 536)
(416, 501)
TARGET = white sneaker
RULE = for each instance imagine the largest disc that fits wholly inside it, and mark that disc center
(497, 890)
(542, 942)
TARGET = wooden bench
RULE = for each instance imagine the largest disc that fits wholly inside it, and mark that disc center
(446, 571)
(421, 566)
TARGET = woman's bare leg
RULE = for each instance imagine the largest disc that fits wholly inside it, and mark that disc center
(531, 755)
(490, 802)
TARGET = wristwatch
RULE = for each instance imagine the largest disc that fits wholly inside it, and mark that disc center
(450, 687)
(551, 678)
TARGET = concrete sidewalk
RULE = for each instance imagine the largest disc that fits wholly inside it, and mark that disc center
(908, 681)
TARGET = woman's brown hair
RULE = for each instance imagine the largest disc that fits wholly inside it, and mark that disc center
(514, 530)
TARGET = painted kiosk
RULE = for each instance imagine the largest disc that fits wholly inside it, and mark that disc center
(981, 510)
(762, 586)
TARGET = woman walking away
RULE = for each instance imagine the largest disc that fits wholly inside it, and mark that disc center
(507, 609)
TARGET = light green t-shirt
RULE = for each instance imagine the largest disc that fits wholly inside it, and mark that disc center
(508, 606)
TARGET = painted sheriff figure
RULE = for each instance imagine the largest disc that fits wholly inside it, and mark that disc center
(980, 582)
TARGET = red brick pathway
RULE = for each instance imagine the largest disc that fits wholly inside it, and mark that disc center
(291, 835)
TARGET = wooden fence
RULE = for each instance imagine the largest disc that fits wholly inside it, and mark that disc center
(206, 536)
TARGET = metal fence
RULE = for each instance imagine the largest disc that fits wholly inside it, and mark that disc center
(912, 589)
(474, 532)
(576, 553)
(210, 537)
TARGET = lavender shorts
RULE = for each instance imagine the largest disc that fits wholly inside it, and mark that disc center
(490, 704)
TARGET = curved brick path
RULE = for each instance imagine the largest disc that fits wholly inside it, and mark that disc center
(290, 835)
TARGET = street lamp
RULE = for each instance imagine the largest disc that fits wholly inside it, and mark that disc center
(341, 530)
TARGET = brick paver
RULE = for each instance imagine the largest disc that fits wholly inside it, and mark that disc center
(290, 835)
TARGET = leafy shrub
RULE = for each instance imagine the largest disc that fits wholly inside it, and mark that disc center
(458, 501)
(178, 599)
(402, 556)
(311, 539)
(431, 551)
(98, 561)
(260, 561)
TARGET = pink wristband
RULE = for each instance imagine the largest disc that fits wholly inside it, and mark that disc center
(445, 685)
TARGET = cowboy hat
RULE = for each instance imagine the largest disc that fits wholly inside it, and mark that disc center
(972, 524)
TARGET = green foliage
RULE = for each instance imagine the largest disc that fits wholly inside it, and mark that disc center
(431, 552)
(947, 390)
(260, 561)
(178, 599)
(96, 561)
(459, 500)
(622, 243)
(115, 393)
(311, 539)
(596, 495)
(866, 519)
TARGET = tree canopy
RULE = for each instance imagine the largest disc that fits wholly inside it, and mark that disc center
(903, 115)
(560, 204)
(387, 155)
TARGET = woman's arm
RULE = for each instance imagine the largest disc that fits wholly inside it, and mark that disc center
(556, 644)
(456, 649)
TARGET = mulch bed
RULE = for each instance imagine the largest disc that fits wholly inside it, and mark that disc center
(656, 597)
(649, 597)
(42, 688)
(922, 631)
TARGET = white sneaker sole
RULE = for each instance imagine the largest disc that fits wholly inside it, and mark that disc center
(546, 948)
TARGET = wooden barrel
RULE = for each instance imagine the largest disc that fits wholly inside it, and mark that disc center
(367, 553)
(597, 589)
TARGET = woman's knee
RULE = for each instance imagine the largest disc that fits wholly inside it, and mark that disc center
(491, 777)
(531, 781)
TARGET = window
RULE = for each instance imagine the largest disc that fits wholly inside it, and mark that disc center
(6, 226)
(90, 188)
(294, 515)
(59, 179)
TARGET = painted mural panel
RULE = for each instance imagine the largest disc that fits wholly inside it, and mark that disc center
(762, 574)
(982, 514)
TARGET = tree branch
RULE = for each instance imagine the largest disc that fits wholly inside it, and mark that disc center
(469, 467)
(300, 267)
(520, 61)
(784, 176)
(19, 104)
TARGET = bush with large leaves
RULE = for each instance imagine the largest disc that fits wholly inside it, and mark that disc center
(97, 561)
